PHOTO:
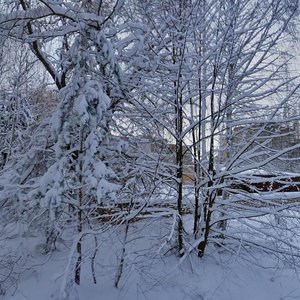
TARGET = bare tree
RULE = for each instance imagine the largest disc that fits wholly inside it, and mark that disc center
(222, 72)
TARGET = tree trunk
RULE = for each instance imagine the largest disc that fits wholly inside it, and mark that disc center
(77, 277)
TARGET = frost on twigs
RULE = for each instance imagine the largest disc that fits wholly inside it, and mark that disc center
(11, 265)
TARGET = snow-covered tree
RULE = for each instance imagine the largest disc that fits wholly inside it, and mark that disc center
(15, 119)
(18, 69)
(216, 70)
(150, 93)
(75, 139)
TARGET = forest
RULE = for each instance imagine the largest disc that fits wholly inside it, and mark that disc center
(150, 149)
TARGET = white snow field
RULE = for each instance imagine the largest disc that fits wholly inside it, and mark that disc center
(151, 268)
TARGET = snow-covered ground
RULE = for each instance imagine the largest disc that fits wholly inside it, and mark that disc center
(151, 270)
(215, 279)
